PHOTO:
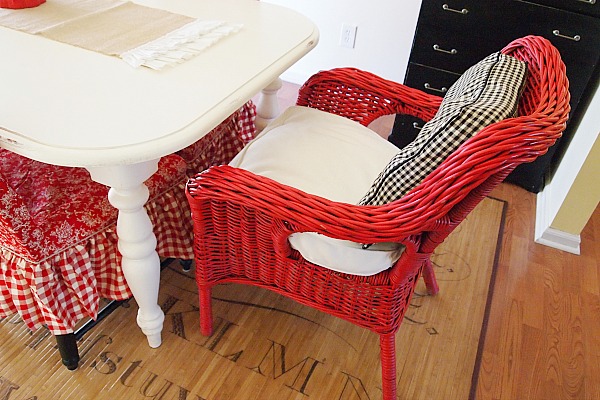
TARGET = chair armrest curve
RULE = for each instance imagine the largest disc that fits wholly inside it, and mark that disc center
(363, 97)
(305, 212)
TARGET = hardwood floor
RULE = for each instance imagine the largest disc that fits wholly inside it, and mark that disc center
(543, 335)
(542, 340)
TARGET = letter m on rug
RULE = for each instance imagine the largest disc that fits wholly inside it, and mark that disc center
(275, 365)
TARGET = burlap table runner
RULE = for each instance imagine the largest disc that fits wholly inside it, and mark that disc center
(138, 34)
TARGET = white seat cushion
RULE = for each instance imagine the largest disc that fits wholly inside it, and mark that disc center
(328, 156)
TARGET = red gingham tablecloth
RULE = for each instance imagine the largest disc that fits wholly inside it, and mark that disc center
(66, 286)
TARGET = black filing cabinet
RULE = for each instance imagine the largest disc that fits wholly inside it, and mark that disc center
(452, 35)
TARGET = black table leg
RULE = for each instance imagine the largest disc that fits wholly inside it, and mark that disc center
(67, 347)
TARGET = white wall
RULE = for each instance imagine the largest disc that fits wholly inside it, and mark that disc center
(383, 40)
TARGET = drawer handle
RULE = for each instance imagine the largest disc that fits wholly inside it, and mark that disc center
(575, 38)
(438, 48)
(442, 90)
(588, 1)
(417, 126)
(465, 11)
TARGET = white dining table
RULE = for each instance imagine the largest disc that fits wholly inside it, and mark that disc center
(64, 105)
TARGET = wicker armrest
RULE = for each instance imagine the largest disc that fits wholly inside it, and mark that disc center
(303, 212)
(364, 97)
(265, 212)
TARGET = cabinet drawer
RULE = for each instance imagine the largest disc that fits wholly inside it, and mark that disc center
(459, 14)
(575, 36)
(587, 7)
(453, 51)
(429, 80)
(562, 28)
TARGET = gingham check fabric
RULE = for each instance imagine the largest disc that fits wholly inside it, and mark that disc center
(60, 277)
(486, 93)
(67, 256)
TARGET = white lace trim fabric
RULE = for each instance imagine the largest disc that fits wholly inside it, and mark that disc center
(179, 45)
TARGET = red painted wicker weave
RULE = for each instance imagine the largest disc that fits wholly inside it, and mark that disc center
(17, 4)
(242, 221)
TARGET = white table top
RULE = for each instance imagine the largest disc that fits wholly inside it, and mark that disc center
(64, 105)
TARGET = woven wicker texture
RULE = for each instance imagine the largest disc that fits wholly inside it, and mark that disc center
(242, 221)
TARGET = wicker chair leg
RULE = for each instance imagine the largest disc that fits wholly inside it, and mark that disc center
(429, 278)
(388, 365)
(205, 298)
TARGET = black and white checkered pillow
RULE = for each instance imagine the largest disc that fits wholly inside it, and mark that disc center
(486, 93)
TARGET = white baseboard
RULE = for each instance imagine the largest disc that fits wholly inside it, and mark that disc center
(548, 236)
(560, 240)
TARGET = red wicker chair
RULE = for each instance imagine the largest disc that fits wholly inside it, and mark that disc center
(242, 220)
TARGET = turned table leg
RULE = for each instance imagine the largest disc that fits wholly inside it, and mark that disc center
(267, 107)
(137, 243)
